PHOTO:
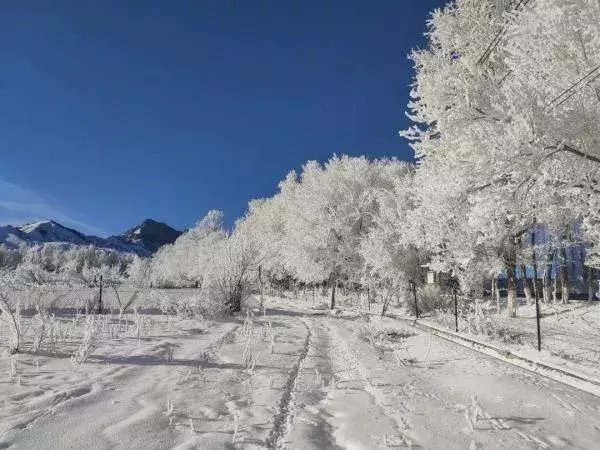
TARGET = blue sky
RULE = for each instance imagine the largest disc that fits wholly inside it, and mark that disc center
(112, 111)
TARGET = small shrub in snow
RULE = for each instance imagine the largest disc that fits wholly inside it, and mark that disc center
(142, 325)
(236, 426)
(54, 332)
(478, 322)
(473, 413)
(13, 369)
(170, 350)
(200, 304)
(14, 323)
(123, 305)
(429, 298)
(39, 325)
(88, 343)
(250, 334)
(170, 410)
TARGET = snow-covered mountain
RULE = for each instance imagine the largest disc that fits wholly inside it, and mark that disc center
(50, 231)
(151, 234)
(143, 240)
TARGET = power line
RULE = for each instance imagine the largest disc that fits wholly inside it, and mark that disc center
(564, 95)
(572, 90)
(498, 37)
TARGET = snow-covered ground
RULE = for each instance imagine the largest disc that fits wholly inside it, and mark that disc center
(293, 376)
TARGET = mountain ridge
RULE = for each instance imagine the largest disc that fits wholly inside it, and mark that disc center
(144, 239)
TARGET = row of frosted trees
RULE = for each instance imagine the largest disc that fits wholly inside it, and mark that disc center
(505, 106)
(63, 262)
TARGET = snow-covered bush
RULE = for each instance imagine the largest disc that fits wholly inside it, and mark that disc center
(13, 321)
(88, 342)
(139, 271)
(250, 334)
(429, 297)
(186, 262)
(40, 327)
(10, 310)
(233, 273)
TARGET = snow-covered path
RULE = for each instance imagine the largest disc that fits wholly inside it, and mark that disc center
(317, 382)
(431, 394)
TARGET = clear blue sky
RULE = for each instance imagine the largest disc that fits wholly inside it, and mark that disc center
(115, 111)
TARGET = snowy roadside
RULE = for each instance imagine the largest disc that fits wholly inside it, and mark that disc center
(544, 363)
(570, 337)
(569, 332)
(570, 341)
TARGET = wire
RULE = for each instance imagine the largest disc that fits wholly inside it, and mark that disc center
(498, 37)
(571, 90)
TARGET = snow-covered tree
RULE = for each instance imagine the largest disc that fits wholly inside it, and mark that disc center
(187, 260)
(497, 145)
(330, 210)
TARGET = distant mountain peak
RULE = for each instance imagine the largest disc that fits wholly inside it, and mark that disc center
(143, 240)
(51, 231)
(152, 234)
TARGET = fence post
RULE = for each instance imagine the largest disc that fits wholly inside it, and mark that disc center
(414, 289)
(537, 306)
(100, 297)
(455, 312)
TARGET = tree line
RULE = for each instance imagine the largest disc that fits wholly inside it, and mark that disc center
(505, 109)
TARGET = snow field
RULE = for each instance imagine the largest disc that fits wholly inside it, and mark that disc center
(287, 376)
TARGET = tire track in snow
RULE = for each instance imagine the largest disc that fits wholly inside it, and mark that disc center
(350, 363)
(283, 419)
(312, 427)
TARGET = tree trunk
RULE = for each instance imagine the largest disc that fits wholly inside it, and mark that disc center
(332, 304)
(510, 263)
(555, 286)
(261, 287)
(588, 276)
(564, 276)
(547, 279)
(546, 293)
(511, 301)
(386, 302)
(235, 301)
(534, 265)
(526, 285)
(497, 294)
